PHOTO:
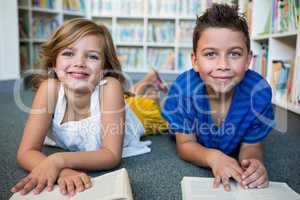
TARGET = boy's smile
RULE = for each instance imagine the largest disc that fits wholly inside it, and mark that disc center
(221, 59)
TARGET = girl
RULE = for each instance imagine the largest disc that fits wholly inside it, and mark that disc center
(81, 109)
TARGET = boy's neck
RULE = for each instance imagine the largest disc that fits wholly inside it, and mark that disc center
(217, 96)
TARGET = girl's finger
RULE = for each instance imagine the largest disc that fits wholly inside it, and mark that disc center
(70, 187)
(20, 185)
(79, 184)
(50, 183)
(29, 186)
(41, 184)
(62, 186)
(86, 180)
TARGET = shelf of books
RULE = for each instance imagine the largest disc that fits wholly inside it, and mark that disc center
(275, 33)
(147, 33)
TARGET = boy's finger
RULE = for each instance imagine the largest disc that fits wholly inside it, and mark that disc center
(253, 177)
(245, 163)
(259, 181)
(225, 182)
(238, 169)
(250, 170)
(236, 176)
(264, 185)
(217, 181)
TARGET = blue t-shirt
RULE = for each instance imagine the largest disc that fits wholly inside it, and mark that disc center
(249, 119)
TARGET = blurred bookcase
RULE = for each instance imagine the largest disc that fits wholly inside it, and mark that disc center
(147, 33)
(275, 37)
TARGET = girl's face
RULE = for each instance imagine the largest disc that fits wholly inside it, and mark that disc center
(79, 65)
(221, 59)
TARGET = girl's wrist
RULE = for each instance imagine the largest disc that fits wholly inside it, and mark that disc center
(58, 160)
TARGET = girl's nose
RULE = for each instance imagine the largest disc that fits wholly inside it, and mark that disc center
(79, 61)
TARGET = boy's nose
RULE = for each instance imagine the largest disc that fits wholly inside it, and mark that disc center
(223, 63)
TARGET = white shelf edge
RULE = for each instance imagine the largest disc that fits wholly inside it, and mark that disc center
(23, 7)
(160, 44)
(46, 10)
(74, 13)
(283, 34)
(287, 105)
(130, 44)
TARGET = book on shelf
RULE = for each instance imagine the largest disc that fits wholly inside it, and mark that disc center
(161, 58)
(202, 188)
(23, 27)
(184, 58)
(285, 17)
(161, 31)
(102, 7)
(190, 7)
(130, 31)
(74, 5)
(113, 185)
(43, 26)
(24, 56)
(259, 61)
(130, 57)
(48, 4)
(162, 7)
(186, 29)
(130, 7)
(296, 95)
(281, 80)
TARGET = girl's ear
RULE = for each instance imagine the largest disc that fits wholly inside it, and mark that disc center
(194, 61)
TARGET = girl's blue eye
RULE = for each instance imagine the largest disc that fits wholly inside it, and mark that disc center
(67, 53)
(93, 57)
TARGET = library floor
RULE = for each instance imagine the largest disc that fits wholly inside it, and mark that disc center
(155, 175)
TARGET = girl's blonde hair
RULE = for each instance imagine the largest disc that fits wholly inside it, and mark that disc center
(67, 34)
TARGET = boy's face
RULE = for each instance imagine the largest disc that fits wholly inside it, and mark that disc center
(79, 66)
(221, 58)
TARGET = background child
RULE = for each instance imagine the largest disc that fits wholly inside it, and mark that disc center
(219, 106)
(80, 109)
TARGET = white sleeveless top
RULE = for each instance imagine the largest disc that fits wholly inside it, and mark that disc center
(85, 134)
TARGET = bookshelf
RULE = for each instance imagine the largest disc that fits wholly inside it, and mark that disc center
(147, 33)
(275, 36)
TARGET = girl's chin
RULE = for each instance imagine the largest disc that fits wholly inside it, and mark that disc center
(80, 86)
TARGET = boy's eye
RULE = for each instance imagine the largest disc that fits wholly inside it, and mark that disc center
(67, 53)
(210, 54)
(235, 54)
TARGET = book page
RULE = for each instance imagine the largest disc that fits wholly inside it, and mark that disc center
(275, 191)
(106, 187)
(197, 188)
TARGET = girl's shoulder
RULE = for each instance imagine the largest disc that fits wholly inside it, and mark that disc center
(47, 93)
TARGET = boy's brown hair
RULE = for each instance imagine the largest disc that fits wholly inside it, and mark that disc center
(221, 16)
(68, 33)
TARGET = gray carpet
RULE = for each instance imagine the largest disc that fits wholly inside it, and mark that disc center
(156, 175)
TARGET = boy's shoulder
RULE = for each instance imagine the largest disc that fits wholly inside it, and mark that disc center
(256, 87)
(187, 83)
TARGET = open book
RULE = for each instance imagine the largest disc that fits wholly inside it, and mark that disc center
(197, 188)
(111, 186)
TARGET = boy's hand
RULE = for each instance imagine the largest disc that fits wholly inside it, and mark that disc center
(255, 174)
(43, 175)
(71, 181)
(224, 168)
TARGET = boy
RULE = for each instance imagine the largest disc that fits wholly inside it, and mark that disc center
(219, 106)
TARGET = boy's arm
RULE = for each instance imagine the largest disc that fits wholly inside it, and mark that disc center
(223, 166)
(248, 151)
(251, 160)
(112, 131)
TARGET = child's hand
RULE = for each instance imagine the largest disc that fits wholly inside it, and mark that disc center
(71, 181)
(43, 175)
(255, 174)
(224, 168)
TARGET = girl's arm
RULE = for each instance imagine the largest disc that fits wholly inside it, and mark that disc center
(38, 123)
(112, 125)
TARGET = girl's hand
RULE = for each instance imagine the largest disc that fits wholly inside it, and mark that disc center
(255, 174)
(71, 181)
(43, 175)
(224, 168)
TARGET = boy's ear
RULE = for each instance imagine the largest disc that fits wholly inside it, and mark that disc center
(194, 61)
(249, 60)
